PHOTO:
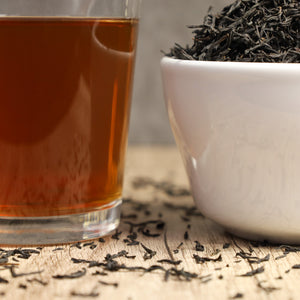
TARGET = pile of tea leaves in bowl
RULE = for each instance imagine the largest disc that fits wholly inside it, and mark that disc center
(247, 31)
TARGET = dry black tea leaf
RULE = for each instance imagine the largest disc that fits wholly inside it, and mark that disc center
(147, 212)
(22, 286)
(133, 243)
(205, 276)
(185, 219)
(149, 253)
(254, 272)
(280, 257)
(186, 235)
(226, 245)
(3, 280)
(110, 257)
(288, 249)
(179, 274)
(79, 260)
(154, 268)
(193, 211)
(179, 245)
(116, 235)
(85, 295)
(160, 225)
(37, 281)
(201, 260)
(88, 244)
(115, 284)
(3, 260)
(58, 249)
(259, 260)
(170, 261)
(73, 275)
(238, 296)
(296, 266)
(14, 274)
(246, 256)
(206, 280)
(77, 245)
(132, 236)
(267, 289)
(99, 273)
(199, 247)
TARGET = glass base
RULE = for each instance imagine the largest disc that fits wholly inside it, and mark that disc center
(60, 229)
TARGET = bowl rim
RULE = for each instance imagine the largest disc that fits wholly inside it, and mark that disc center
(229, 64)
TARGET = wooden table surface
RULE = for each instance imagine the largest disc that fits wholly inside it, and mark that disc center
(164, 249)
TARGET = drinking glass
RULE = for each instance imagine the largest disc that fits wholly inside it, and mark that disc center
(65, 86)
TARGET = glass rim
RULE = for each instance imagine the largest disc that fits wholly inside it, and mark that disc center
(129, 9)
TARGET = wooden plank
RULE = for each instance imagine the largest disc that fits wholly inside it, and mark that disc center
(152, 175)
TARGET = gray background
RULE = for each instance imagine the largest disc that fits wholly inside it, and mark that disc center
(162, 23)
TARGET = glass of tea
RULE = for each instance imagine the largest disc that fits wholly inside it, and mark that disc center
(66, 72)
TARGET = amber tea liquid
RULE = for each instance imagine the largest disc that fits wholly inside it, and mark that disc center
(64, 105)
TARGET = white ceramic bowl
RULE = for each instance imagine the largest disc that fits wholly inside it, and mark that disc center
(237, 126)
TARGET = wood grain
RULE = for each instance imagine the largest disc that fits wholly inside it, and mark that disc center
(148, 200)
